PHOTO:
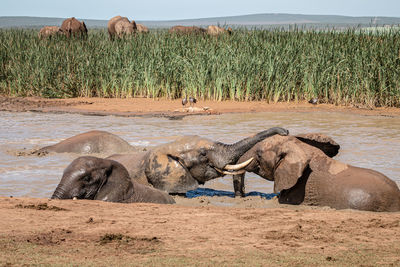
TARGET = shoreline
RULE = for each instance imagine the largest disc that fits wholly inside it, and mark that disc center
(172, 109)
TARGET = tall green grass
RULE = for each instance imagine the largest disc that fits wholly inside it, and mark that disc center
(350, 67)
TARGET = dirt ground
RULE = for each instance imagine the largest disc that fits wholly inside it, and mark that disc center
(205, 231)
(94, 233)
(170, 108)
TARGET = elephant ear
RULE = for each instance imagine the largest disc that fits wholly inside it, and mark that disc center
(117, 186)
(291, 162)
(325, 143)
(165, 172)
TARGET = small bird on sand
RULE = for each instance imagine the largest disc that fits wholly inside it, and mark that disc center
(313, 101)
(192, 100)
(184, 101)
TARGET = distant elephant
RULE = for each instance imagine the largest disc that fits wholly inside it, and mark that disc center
(304, 173)
(73, 27)
(90, 142)
(102, 179)
(215, 30)
(182, 165)
(187, 30)
(49, 31)
(120, 26)
(141, 28)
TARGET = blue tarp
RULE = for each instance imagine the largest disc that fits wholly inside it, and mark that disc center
(221, 193)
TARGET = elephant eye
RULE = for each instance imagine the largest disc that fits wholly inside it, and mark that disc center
(86, 178)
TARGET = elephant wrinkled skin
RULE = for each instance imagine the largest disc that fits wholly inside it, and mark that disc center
(304, 173)
(89, 143)
(103, 179)
(182, 165)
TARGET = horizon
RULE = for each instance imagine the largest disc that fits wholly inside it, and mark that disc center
(158, 10)
(205, 18)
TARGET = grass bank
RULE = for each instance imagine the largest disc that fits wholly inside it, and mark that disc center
(351, 67)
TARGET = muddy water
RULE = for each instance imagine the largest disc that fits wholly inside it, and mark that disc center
(366, 141)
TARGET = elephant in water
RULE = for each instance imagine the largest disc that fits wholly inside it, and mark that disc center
(89, 143)
(304, 173)
(182, 165)
(73, 27)
(120, 26)
(102, 179)
(49, 31)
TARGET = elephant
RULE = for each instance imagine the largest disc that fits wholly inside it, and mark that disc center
(141, 28)
(103, 179)
(88, 143)
(187, 30)
(184, 164)
(49, 31)
(120, 26)
(215, 30)
(73, 27)
(304, 173)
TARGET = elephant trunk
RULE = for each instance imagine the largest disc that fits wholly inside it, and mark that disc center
(230, 154)
(59, 193)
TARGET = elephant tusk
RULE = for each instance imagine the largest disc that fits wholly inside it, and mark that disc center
(238, 166)
(230, 172)
(74, 198)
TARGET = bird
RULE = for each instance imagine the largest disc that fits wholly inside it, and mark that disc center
(313, 101)
(184, 101)
(192, 100)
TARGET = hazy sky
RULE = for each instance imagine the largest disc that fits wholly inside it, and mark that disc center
(183, 9)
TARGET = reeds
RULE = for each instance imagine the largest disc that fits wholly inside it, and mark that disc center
(350, 67)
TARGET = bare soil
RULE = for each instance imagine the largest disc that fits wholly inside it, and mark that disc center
(170, 108)
(204, 231)
(94, 233)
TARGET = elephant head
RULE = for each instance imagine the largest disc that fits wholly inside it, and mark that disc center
(191, 160)
(282, 160)
(304, 173)
(103, 179)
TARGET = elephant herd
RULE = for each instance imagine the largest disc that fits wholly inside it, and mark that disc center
(120, 27)
(302, 168)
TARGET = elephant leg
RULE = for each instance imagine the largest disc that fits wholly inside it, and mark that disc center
(168, 174)
(238, 185)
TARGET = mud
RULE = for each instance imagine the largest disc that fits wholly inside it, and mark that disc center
(88, 233)
(145, 107)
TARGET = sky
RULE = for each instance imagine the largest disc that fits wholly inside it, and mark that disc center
(189, 9)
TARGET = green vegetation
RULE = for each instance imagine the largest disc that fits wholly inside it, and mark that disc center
(349, 67)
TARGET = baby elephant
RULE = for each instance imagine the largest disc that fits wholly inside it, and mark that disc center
(304, 173)
(103, 179)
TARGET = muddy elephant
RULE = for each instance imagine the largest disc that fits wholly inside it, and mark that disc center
(141, 28)
(215, 30)
(89, 143)
(186, 30)
(73, 27)
(120, 26)
(49, 31)
(304, 173)
(184, 164)
(102, 179)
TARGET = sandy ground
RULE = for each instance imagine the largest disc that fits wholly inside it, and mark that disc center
(203, 231)
(170, 108)
(94, 233)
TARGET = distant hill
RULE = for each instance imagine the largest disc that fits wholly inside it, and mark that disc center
(249, 21)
